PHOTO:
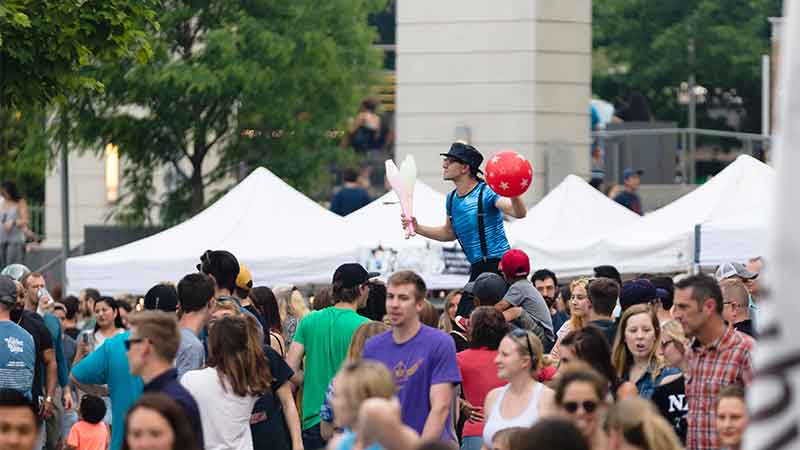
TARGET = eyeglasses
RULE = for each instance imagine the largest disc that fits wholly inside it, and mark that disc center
(520, 333)
(131, 341)
(588, 405)
(733, 305)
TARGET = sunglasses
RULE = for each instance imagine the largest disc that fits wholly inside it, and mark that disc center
(588, 405)
(519, 332)
(205, 261)
(130, 342)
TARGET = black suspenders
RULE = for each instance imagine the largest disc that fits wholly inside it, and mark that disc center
(481, 224)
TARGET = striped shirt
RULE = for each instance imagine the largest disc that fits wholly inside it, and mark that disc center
(724, 362)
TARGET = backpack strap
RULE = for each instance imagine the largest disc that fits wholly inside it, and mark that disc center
(481, 224)
(450, 215)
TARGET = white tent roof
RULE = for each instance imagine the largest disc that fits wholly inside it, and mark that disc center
(561, 232)
(664, 240)
(279, 233)
(746, 234)
(378, 224)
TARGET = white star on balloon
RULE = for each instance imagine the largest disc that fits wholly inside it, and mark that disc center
(524, 183)
(495, 160)
(504, 186)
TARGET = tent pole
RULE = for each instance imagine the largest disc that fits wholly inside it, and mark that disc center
(696, 259)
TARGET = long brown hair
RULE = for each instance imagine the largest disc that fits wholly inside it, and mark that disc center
(622, 358)
(234, 349)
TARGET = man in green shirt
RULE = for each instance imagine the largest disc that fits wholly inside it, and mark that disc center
(323, 337)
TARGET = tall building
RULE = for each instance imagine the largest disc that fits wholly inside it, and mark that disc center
(503, 75)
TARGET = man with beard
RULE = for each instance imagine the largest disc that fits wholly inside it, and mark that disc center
(546, 283)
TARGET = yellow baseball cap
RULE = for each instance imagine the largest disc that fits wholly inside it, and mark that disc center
(245, 278)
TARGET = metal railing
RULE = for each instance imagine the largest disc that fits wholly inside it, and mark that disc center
(36, 224)
(691, 145)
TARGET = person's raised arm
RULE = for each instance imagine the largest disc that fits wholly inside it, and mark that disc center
(442, 233)
(441, 396)
(513, 206)
(379, 421)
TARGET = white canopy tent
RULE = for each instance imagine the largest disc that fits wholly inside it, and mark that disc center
(664, 240)
(279, 233)
(563, 230)
(744, 235)
(384, 247)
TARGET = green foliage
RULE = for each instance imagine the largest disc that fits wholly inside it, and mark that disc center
(289, 71)
(643, 45)
(45, 44)
(24, 151)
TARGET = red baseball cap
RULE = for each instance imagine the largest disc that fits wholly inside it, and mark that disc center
(515, 263)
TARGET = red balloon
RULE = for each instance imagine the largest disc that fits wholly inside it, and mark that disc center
(509, 174)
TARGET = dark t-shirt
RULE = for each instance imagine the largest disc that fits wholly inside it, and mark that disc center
(73, 333)
(746, 327)
(629, 200)
(670, 399)
(167, 383)
(559, 319)
(267, 424)
(34, 324)
(609, 329)
(349, 199)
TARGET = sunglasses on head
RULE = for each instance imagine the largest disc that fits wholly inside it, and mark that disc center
(588, 405)
(519, 332)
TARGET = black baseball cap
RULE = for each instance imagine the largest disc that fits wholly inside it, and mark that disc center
(351, 275)
(467, 154)
(161, 297)
(8, 291)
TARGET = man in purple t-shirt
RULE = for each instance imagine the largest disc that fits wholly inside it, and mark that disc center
(422, 359)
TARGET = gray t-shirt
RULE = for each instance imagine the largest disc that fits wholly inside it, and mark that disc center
(191, 353)
(522, 293)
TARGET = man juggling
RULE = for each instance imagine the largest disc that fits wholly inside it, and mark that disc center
(474, 210)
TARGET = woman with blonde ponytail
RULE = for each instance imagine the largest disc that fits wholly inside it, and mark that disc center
(634, 424)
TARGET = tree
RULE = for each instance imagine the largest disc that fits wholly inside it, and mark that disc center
(45, 44)
(231, 84)
(24, 151)
(643, 45)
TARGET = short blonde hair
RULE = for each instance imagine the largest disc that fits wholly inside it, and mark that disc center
(364, 379)
(364, 331)
(674, 330)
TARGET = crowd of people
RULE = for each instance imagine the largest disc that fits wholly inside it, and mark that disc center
(515, 360)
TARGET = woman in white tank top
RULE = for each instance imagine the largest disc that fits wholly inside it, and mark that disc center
(523, 400)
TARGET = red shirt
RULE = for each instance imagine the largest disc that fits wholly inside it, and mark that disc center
(724, 362)
(478, 377)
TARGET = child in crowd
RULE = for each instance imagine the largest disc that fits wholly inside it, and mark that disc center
(90, 433)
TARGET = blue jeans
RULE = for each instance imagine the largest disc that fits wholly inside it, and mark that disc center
(471, 443)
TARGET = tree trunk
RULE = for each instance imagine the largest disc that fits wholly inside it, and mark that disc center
(198, 194)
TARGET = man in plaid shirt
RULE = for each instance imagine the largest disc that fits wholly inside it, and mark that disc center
(718, 355)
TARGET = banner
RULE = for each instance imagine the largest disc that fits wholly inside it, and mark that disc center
(773, 400)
